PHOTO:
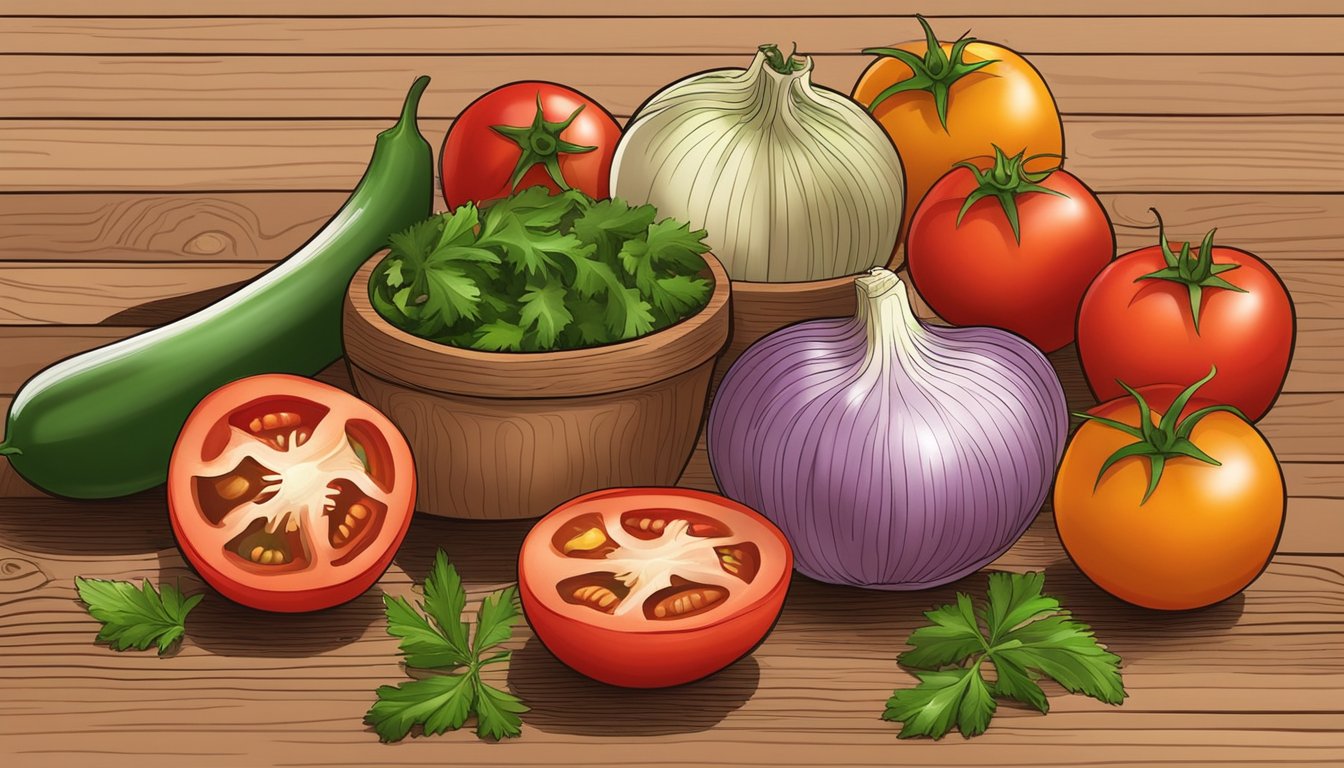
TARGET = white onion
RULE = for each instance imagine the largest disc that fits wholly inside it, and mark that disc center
(791, 180)
(892, 454)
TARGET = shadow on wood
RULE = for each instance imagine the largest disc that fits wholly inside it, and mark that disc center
(563, 701)
(485, 552)
(167, 310)
(49, 525)
(225, 628)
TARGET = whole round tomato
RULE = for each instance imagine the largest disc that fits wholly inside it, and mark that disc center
(989, 96)
(1205, 532)
(524, 135)
(1166, 314)
(651, 587)
(286, 494)
(1019, 258)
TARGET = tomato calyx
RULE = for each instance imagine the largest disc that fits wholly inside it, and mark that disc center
(1196, 272)
(540, 144)
(1006, 179)
(935, 72)
(1168, 439)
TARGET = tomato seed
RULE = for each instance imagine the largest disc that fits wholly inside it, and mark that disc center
(231, 487)
(256, 553)
(586, 542)
(358, 511)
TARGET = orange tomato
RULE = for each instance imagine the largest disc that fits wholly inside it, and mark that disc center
(1005, 104)
(1205, 533)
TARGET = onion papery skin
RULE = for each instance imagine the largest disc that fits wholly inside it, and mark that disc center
(792, 181)
(892, 454)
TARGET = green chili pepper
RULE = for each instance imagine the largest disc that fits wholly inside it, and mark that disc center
(102, 424)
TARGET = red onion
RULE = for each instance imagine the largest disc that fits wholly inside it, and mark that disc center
(892, 454)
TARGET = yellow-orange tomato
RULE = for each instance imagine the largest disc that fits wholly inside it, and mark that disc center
(1005, 104)
(1205, 533)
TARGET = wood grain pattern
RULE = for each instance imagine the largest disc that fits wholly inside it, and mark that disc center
(687, 8)
(617, 34)
(1168, 154)
(246, 688)
(265, 226)
(252, 86)
(137, 185)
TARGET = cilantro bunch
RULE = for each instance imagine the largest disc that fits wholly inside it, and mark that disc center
(538, 272)
(437, 640)
(1023, 634)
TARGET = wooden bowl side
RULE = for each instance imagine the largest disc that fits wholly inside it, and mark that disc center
(508, 458)
(387, 352)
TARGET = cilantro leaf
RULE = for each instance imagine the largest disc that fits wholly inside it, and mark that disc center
(535, 271)
(543, 308)
(438, 703)
(1066, 651)
(136, 618)
(439, 639)
(500, 336)
(951, 638)
(1026, 635)
(497, 713)
(942, 699)
(673, 246)
(679, 294)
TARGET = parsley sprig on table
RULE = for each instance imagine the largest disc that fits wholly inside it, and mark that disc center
(136, 617)
(1023, 634)
(537, 272)
(437, 639)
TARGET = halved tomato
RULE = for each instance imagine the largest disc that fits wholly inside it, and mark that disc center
(287, 494)
(651, 587)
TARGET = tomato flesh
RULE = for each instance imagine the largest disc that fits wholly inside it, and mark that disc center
(286, 494)
(651, 587)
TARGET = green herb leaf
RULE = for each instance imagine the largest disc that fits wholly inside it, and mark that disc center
(942, 699)
(543, 308)
(535, 271)
(438, 703)
(951, 638)
(136, 618)
(500, 336)
(439, 640)
(497, 713)
(1026, 635)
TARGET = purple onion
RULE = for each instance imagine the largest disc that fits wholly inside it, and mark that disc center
(892, 454)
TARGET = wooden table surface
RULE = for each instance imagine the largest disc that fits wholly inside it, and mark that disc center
(152, 154)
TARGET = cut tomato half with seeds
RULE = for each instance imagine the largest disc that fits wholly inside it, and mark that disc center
(650, 587)
(287, 494)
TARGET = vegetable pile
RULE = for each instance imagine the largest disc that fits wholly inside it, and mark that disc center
(877, 450)
(536, 272)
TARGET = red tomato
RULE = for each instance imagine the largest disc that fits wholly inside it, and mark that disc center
(528, 134)
(977, 272)
(286, 494)
(1142, 330)
(650, 587)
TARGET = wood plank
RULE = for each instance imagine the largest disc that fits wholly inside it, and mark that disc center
(692, 8)
(1113, 154)
(371, 86)
(616, 34)
(262, 226)
(1253, 680)
(99, 293)
(89, 294)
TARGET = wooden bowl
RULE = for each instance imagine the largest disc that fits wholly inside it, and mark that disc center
(508, 435)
